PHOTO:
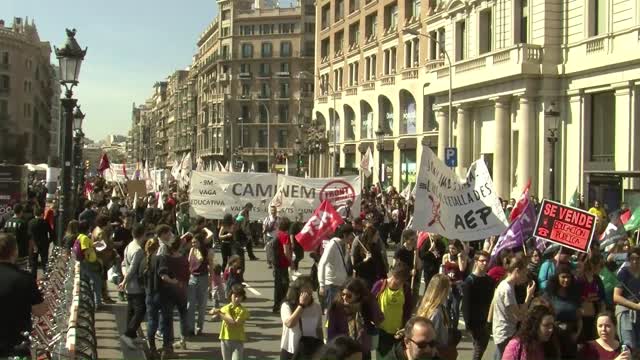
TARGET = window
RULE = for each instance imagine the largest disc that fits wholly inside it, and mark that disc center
(266, 29)
(285, 49)
(262, 138)
(370, 68)
(247, 29)
(325, 16)
(461, 45)
(391, 16)
(286, 28)
(603, 115)
(522, 13)
(282, 138)
(389, 66)
(283, 113)
(225, 31)
(226, 14)
(309, 28)
(354, 5)
(370, 25)
(324, 84)
(225, 52)
(263, 114)
(486, 31)
(266, 50)
(337, 79)
(245, 68)
(245, 113)
(309, 48)
(5, 58)
(353, 73)
(337, 42)
(597, 17)
(284, 90)
(441, 43)
(284, 67)
(412, 9)
(247, 51)
(324, 48)
(309, 10)
(265, 69)
(339, 10)
(354, 33)
(5, 82)
(265, 90)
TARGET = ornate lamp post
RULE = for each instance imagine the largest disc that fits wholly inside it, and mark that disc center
(76, 180)
(552, 113)
(380, 147)
(70, 58)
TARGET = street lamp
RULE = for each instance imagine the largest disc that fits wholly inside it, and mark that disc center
(298, 148)
(415, 32)
(552, 113)
(70, 58)
(380, 148)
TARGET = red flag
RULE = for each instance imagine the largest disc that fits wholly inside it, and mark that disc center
(625, 215)
(522, 203)
(88, 189)
(324, 221)
(422, 237)
(104, 164)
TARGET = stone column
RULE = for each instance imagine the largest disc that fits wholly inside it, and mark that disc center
(526, 141)
(502, 150)
(465, 145)
(443, 131)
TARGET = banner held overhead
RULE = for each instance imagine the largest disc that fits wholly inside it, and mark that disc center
(565, 225)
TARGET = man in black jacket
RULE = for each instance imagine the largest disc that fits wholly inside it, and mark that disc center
(40, 233)
(479, 287)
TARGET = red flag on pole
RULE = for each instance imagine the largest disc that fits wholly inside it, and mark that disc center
(104, 164)
(124, 170)
(324, 221)
(522, 203)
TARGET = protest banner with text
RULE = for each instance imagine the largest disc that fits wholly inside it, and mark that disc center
(565, 225)
(466, 209)
(297, 194)
(214, 194)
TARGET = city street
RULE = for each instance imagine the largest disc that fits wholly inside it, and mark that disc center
(263, 328)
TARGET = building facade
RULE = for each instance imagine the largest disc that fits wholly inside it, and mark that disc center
(254, 82)
(26, 83)
(521, 74)
(54, 139)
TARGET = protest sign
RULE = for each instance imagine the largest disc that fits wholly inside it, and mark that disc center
(466, 209)
(297, 194)
(565, 225)
(214, 194)
(136, 187)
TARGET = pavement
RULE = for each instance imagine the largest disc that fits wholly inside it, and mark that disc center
(263, 329)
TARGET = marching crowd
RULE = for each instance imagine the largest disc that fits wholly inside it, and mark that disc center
(533, 302)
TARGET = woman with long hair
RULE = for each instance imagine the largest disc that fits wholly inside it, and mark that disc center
(354, 313)
(592, 295)
(200, 266)
(454, 265)
(70, 234)
(434, 308)
(605, 346)
(366, 257)
(301, 321)
(564, 294)
(225, 236)
(535, 339)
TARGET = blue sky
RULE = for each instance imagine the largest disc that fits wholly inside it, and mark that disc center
(132, 44)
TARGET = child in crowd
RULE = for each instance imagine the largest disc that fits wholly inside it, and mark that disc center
(233, 273)
(217, 286)
(233, 315)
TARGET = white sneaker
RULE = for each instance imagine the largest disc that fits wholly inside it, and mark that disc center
(128, 341)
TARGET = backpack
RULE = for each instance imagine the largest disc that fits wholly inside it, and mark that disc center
(272, 249)
(76, 249)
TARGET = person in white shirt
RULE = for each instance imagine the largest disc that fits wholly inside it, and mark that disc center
(332, 267)
(132, 267)
(301, 321)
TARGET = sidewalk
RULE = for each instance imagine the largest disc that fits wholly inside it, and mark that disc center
(110, 324)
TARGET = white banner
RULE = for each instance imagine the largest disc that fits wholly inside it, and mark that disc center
(214, 194)
(466, 209)
(296, 194)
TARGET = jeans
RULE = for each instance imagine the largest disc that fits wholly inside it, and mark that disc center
(629, 329)
(330, 293)
(453, 305)
(96, 280)
(480, 336)
(280, 286)
(197, 297)
(43, 254)
(232, 349)
(167, 306)
(153, 316)
(136, 309)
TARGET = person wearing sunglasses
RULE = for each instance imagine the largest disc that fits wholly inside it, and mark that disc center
(419, 341)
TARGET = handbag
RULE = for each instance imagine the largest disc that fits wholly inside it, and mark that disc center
(308, 345)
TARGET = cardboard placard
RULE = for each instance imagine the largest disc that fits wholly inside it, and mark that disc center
(136, 186)
(565, 225)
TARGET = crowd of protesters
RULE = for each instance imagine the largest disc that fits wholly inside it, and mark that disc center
(532, 302)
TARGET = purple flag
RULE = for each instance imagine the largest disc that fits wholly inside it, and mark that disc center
(518, 231)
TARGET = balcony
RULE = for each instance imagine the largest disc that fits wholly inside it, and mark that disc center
(224, 77)
(283, 74)
(369, 85)
(337, 95)
(244, 97)
(352, 91)
(244, 75)
(410, 73)
(306, 94)
(263, 76)
(322, 99)
(282, 95)
(388, 80)
(264, 96)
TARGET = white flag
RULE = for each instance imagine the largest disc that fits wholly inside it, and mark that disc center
(286, 166)
(367, 163)
(242, 169)
(175, 169)
(253, 168)
(185, 170)
(406, 193)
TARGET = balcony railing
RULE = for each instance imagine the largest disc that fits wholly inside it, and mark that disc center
(322, 99)
(369, 85)
(352, 91)
(388, 80)
(411, 73)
